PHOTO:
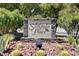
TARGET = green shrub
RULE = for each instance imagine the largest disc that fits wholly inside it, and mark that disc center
(70, 39)
(64, 53)
(10, 20)
(40, 53)
(2, 44)
(7, 38)
(78, 41)
(4, 40)
(19, 45)
(16, 53)
(36, 17)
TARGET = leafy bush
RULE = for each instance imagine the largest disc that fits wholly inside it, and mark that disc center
(59, 46)
(19, 45)
(2, 45)
(36, 17)
(40, 53)
(64, 53)
(7, 38)
(70, 39)
(16, 53)
(78, 41)
(10, 20)
(4, 40)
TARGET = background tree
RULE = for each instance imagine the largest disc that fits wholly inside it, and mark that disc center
(29, 9)
(10, 6)
(66, 17)
(50, 10)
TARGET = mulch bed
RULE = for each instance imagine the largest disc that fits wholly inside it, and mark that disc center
(48, 46)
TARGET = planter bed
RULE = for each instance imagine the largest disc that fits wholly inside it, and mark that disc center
(48, 46)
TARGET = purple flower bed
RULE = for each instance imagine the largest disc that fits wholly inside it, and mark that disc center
(49, 47)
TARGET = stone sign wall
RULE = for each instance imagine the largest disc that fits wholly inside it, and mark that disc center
(40, 28)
